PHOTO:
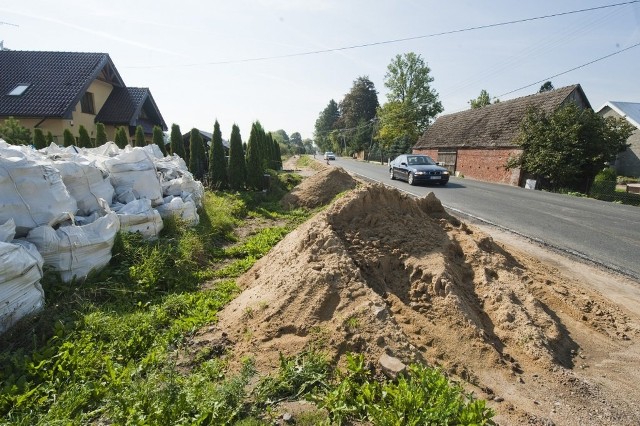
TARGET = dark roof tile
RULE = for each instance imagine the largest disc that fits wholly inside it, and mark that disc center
(57, 80)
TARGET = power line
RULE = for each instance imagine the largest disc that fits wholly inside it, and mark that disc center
(399, 40)
(568, 71)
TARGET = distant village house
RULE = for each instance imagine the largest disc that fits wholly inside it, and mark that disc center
(55, 91)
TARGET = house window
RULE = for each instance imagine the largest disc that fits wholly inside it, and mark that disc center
(19, 89)
(86, 103)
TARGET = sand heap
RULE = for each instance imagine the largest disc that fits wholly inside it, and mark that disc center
(379, 272)
(319, 190)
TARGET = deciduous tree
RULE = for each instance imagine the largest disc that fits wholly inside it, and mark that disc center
(482, 100)
(546, 87)
(411, 102)
(568, 147)
(325, 124)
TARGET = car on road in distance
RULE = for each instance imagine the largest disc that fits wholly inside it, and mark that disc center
(329, 155)
(417, 168)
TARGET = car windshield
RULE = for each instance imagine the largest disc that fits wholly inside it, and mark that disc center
(419, 160)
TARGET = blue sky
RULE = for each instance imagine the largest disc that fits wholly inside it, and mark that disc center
(195, 55)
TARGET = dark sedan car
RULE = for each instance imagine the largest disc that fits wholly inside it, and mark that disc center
(417, 169)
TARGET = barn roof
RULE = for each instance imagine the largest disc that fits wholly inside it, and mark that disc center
(495, 125)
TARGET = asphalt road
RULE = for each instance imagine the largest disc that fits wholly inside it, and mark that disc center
(606, 234)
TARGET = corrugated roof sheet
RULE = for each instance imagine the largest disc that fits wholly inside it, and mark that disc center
(491, 126)
(628, 110)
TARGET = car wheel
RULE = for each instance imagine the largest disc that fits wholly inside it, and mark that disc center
(392, 175)
(410, 180)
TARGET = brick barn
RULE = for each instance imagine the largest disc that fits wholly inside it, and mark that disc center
(477, 143)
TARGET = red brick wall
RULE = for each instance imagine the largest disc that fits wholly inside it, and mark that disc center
(482, 164)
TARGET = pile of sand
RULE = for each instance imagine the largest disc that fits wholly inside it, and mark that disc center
(381, 273)
(320, 190)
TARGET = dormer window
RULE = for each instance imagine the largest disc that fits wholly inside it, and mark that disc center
(19, 89)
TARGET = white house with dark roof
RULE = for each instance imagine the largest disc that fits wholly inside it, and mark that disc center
(628, 162)
(55, 91)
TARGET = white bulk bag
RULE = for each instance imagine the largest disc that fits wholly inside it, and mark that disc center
(86, 183)
(73, 250)
(32, 193)
(176, 206)
(139, 216)
(20, 274)
(133, 175)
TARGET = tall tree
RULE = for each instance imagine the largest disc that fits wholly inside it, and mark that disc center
(277, 157)
(68, 138)
(325, 124)
(101, 135)
(482, 100)
(237, 166)
(280, 136)
(357, 109)
(49, 138)
(217, 161)
(255, 164)
(196, 154)
(546, 87)
(84, 141)
(568, 147)
(158, 139)
(139, 137)
(121, 139)
(39, 141)
(13, 133)
(411, 96)
(177, 144)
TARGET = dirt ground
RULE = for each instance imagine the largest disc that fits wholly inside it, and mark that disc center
(546, 340)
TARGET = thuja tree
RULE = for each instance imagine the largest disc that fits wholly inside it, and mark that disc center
(255, 163)
(158, 139)
(68, 138)
(237, 170)
(122, 140)
(49, 138)
(197, 156)
(101, 134)
(39, 140)
(139, 138)
(217, 161)
(14, 133)
(277, 156)
(84, 141)
(177, 144)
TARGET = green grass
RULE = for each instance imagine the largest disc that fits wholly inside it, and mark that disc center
(109, 350)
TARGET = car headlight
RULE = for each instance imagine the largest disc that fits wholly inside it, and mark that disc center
(421, 173)
(446, 172)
